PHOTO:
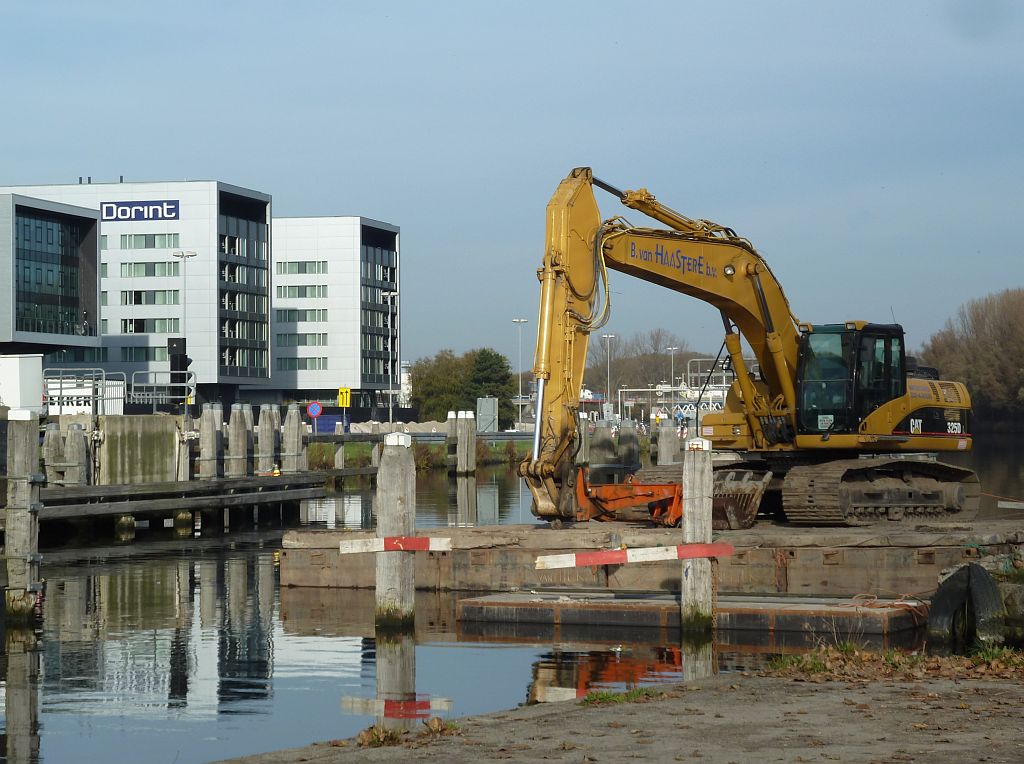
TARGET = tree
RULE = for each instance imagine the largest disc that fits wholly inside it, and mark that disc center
(982, 346)
(439, 386)
(448, 383)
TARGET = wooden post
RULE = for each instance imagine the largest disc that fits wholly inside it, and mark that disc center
(451, 441)
(183, 471)
(53, 453)
(21, 699)
(697, 589)
(22, 516)
(583, 454)
(269, 437)
(236, 463)
(291, 442)
(465, 500)
(603, 458)
(339, 456)
(465, 462)
(396, 678)
(76, 457)
(395, 505)
(209, 440)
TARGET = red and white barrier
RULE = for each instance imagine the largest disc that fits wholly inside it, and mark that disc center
(639, 554)
(420, 708)
(396, 544)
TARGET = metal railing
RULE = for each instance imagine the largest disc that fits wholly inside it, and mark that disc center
(83, 391)
(162, 387)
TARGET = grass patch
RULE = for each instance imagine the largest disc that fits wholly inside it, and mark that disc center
(1008, 656)
(377, 737)
(608, 698)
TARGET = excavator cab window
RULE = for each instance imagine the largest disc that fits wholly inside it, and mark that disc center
(881, 375)
(825, 381)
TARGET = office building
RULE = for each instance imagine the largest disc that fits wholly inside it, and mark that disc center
(49, 277)
(178, 259)
(336, 308)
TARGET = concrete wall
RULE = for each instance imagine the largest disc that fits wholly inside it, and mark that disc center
(137, 449)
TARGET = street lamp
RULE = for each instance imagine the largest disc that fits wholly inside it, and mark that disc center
(672, 377)
(184, 257)
(519, 325)
(609, 338)
(391, 296)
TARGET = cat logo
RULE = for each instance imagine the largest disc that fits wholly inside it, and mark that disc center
(915, 426)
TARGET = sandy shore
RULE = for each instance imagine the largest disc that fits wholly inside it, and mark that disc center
(732, 718)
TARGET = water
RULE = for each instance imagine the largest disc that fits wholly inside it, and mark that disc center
(188, 650)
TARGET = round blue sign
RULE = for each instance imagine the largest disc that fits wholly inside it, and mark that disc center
(314, 409)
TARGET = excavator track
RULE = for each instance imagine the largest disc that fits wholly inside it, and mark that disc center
(861, 491)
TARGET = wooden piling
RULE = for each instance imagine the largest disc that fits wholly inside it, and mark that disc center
(603, 457)
(76, 457)
(465, 448)
(269, 438)
(53, 453)
(22, 514)
(396, 679)
(395, 506)
(236, 461)
(697, 586)
(293, 451)
(210, 442)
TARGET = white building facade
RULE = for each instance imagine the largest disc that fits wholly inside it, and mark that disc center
(179, 259)
(336, 308)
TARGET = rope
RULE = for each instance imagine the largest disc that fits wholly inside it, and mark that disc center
(918, 609)
(997, 496)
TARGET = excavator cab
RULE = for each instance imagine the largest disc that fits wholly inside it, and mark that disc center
(845, 372)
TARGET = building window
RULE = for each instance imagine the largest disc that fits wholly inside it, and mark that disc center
(143, 354)
(141, 270)
(301, 340)
(293, 315)
(149, 325)
(149, 240)
(302, 290)
(150, 297)
(301, 364)
(301, 266)
(103, 242)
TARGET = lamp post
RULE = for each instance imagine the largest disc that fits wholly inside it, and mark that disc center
(609, 338)
(672, 376)
(391, 296)
(519, 325)
(184, 257)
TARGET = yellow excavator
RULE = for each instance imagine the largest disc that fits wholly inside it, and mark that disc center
(831, 430)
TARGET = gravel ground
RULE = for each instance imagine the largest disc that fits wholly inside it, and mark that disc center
(731, 718)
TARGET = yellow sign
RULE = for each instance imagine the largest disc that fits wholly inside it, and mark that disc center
(344, 397)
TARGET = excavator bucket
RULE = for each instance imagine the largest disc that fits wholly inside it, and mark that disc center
(738, 495)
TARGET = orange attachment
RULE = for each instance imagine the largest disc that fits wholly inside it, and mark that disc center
(602, 501)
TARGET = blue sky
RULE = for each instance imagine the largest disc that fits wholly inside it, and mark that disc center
(871, 151)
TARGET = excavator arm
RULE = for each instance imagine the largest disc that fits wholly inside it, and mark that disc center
(694, 257)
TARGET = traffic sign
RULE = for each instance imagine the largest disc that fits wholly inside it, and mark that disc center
(314, 409)
(344, 397)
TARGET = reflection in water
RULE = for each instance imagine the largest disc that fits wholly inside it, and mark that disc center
(190, 651)
(494, 496)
